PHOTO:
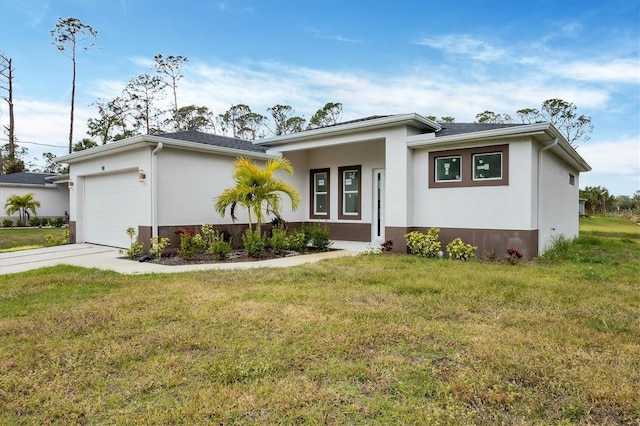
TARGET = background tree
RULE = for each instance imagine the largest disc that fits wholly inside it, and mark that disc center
(85, 143)
(258, 190)
(597, 199)
(170, 69)
(51, 166)
(143, 92)
(23, 204)
(284, 120)
(446, 119)
(492, 117)
(67, 35)
(18, 164)
(242, 123)
(328, 115)
(6, 84)
(194, 117)
(112, 115)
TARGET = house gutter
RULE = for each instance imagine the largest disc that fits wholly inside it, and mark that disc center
(539, 184)
(154, 189)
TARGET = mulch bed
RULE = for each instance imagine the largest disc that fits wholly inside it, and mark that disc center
(232, 257)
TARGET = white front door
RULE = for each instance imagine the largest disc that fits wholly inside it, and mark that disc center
(377, 226)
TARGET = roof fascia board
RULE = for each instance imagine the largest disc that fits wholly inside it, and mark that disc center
(395, 120)
(144, 140)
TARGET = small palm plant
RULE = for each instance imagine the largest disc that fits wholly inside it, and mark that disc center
(23, 204)
(257, 190)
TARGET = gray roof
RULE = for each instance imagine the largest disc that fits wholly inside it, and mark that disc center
(449, 129)
(216, 140)
(26, 178)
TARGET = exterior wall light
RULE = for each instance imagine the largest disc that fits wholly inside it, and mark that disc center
(142, 176)
(70, 184)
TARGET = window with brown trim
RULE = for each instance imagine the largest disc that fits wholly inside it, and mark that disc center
(319, 207)
(483, 166)
(350, 192)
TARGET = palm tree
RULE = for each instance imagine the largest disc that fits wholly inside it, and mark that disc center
(258, 190)
(21, 204)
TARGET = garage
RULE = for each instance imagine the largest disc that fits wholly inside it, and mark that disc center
(112, 203)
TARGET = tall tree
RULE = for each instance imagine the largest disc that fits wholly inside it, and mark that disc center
(194, 117)
(491, 117)
(241, 122)
(23, 204)
(51, 166)
(258, 190)
(284, 120)
(85, 143)
(68, 35)
(113, 115)
(144, 91)
(6, 84)
(564, 116)
(328, 115)
(18, 163)
(170, 68)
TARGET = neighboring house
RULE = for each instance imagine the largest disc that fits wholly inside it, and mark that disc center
(49, 189)
(375, 179)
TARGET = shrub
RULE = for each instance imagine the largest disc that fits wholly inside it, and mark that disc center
(386, 247)
(278, 239)
(7, 223)
(318, 235)
(158, 245)
(35, 221)
(297, 240)
(135, 249)
(254, 243)
(57, 241)
(558, 251)
(215, 242)
(458, 250)
(19, 223)
(58, 222)
(513, 256)
(190, 243)
(426, 245)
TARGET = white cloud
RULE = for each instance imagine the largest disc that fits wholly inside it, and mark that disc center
(621, 157)
(619, 71)
(464, 45)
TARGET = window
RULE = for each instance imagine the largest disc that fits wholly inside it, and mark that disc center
(481, 166)
(572, 180)
(448, 169)
(350, 187)
(320, 188)
(487, 166)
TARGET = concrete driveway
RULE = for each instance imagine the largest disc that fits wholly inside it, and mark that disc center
(109, 258)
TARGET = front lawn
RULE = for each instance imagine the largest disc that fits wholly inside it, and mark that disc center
(26, 238)
(375, 339)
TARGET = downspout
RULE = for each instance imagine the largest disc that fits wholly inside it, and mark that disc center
(154, 189)
(540, 170)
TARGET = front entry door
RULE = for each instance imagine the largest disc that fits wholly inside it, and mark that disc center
(377, 226)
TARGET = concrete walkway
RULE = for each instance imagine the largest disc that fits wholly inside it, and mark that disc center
(109, 258)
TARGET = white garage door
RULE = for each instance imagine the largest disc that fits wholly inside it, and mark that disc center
(111, 205)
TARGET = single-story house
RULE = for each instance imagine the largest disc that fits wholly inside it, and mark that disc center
(375, 179)
(50, 189)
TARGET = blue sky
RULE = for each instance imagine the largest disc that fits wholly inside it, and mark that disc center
(444, 58)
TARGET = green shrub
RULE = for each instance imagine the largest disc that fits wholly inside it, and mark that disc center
(58, 222)
(191, 244)
(57, 241)
(458, 250)
(19, 223)
(219, 249)
(7, 223)
(558, 251)
(35, 221)
(297, 240)
(318, 235)
(426, 245)
(135, 249)
(254, 243)
(158, 245)
(278, 240)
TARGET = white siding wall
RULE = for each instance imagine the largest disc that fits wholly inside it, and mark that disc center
(558, 201)
(54, 200)
(479, 207)
(139, 159)
(369, 155)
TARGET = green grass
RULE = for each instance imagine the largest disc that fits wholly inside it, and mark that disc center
(12, 239)
(613, 226)
(376, 339)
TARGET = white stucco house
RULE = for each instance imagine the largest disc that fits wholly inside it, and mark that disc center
(49, 189)
(375, 179)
